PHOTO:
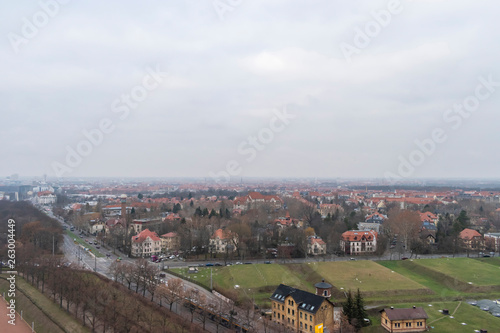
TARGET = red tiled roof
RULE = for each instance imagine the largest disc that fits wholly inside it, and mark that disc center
(141, 237)
(222, 234)
(468, 234)
(354, 235)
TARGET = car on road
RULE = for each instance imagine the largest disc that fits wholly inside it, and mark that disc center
(248, 263)
(404, 258)
(97, 247)
(209, 264)
(218, 264)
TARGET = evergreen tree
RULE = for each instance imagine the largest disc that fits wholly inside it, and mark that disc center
(177, 207)
(212, 213)
(463, 219)
(348, 307)
(197, 212)
(360, 313)
(140, 196)
(205, 212)
(191, 203)
(190, 195)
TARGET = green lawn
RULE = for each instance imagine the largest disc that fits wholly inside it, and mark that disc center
(85, 244)
(464, 269)
(368, 276)
(258, 281)
(465, 313)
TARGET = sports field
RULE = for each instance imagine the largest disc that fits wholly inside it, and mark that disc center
(368, 276)
(467, 270)
(259, 280)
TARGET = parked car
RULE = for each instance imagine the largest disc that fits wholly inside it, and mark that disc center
(209, 264)
(267, 262)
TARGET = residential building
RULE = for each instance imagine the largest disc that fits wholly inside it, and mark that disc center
(255, 200)
(376, 218)
(315, 246)
(359, 242)
(146, 244)
(96, 226)
(492, 241)
(223, 241)
(170, 242)
(140, 224)
(46, 198)
(302, 311)
(471, 239)
(404, 320)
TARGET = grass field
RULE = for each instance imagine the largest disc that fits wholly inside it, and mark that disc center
(259, 280)
(473, 317)
(464, 269)
(368, 276)
(31, 304)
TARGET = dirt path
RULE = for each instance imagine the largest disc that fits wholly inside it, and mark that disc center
(20, 327)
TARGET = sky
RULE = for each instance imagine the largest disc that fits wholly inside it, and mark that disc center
(239, 88)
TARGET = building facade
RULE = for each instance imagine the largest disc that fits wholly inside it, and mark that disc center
(223, 241)
(404, 320)
(359, 242)
(146, 244)
(302, 311)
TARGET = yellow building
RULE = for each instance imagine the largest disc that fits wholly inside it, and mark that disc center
(404, 320)
(300, 310)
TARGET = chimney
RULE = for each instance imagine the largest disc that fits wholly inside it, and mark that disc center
(123, 199)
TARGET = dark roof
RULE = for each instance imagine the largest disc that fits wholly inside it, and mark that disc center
(405, 314)
(306, 301)
(323, 285)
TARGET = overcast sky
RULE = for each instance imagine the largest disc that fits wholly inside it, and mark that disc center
(360, 91)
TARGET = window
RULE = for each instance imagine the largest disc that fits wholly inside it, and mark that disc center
(278, 316)
(301, 315)
(306, 326)
(283, 307)
(274, 314)
(288, 310)
(419, 324)
(386, 321)
(408, 324)
(293, 321)
(300, 324)
(325, 293)
(311, 318)
(397, 325)
(310, 328)
(293, 312)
